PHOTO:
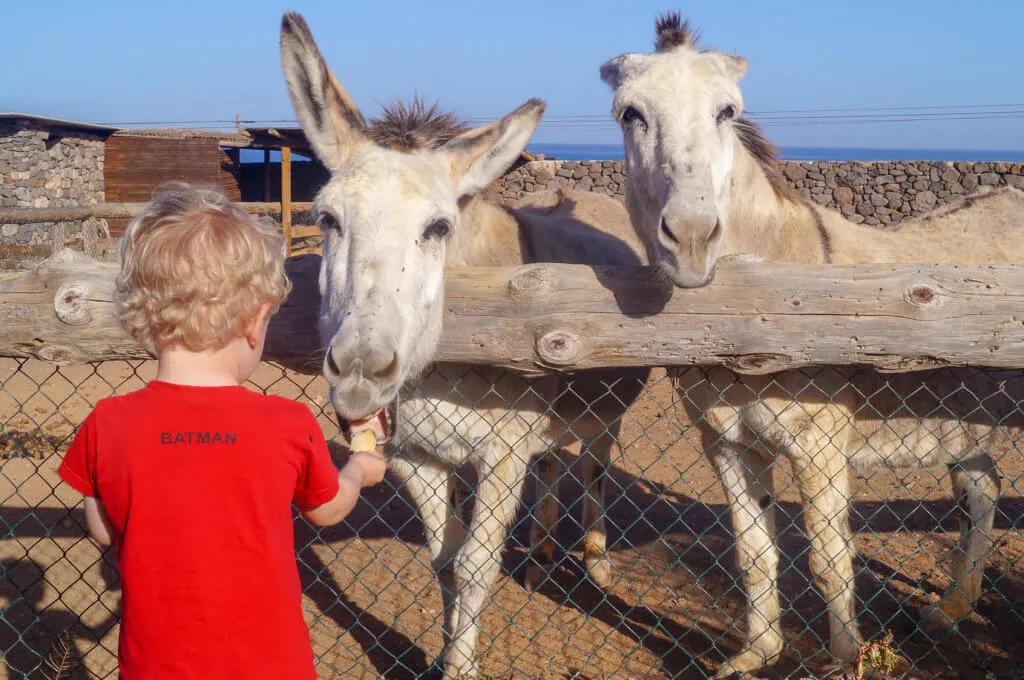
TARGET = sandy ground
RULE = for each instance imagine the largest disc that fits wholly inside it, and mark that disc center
(374, 609)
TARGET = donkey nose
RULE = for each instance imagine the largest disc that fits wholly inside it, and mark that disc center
(382, 364)
(331, 370)
(666, 234)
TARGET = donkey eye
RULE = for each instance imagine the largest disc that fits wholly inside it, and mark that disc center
(437, 229)
(328, 222)
(728, 112)
(631, 115)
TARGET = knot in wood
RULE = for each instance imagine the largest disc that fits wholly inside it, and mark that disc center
(560, 347)
(760, 363)
(69, 304)
(529, 280)
(921, 295)
(56, 354)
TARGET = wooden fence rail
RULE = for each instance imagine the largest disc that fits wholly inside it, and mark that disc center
(756, 317)
(116, 211)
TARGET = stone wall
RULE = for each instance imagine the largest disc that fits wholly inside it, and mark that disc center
(877, 193)
(43, 167)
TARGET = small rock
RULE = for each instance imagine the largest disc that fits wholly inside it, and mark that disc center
(795, 171)
(925, 201)
(843, 195)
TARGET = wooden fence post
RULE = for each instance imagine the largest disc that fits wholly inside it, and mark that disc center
(286, 197)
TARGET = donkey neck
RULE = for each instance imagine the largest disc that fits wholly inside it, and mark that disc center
(768, 221)
(488, 236)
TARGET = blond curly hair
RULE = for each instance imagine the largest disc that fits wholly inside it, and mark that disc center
(195, 269)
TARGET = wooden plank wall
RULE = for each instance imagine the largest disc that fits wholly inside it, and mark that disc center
(231, 174)
(134, 166)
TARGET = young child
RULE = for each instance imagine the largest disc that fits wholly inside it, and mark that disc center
(192, 477)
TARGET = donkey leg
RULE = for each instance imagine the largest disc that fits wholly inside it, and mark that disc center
(545, 519)
(747, 483)
(976, 487)
(822, 476)
(478, 560)
(431, 487)
(596, 459)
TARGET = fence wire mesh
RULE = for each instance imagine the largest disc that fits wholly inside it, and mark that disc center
(676, 606)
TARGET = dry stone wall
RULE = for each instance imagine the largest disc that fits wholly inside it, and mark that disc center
(43, 167)
(877, 193)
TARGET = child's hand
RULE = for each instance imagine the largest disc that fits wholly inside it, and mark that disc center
(373, 464)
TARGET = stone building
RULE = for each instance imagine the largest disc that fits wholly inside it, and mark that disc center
(49, 163)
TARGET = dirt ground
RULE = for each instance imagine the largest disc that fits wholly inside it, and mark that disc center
(675, 610)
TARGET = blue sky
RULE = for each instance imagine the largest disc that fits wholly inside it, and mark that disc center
(197, 61)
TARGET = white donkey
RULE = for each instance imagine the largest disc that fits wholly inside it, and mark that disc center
(703, 183)
(402, 203)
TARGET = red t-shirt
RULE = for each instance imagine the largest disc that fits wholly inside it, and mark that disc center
(199, 484)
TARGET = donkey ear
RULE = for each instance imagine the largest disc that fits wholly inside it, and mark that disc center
(331, 120)
(616, 70)
(480, 156)
(735, 66)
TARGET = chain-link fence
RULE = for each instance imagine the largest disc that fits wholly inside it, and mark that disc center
(675, 607)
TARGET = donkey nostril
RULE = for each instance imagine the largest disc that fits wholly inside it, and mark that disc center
(668, 232)
(716, 232)
(333, 367)
(388, 366)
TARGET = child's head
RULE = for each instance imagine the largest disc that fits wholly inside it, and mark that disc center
(196, 269)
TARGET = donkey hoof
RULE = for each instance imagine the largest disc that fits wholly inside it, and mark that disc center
(743, 665)
(935, 619)
(600, 572)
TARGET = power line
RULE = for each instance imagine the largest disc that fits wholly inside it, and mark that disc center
(565, 123)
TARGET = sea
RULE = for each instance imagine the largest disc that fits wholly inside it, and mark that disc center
(611, 152)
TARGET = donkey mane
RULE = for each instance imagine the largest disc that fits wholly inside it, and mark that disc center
(414, 126)
(672, 31)
(764, 152)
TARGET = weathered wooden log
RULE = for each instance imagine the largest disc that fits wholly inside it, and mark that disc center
(756, 317)
(116, 211)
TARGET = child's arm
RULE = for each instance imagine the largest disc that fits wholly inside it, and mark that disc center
(363, 469)
(98, 521)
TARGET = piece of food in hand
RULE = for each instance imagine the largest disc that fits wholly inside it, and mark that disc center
(366, 433)
(364, 440)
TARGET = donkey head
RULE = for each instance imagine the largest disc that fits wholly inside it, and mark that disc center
(388, 213)
(679, 109)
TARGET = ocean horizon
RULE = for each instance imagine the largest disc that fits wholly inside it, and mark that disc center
(613, 152)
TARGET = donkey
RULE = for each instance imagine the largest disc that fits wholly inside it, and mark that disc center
(702, 184)
(403, 202)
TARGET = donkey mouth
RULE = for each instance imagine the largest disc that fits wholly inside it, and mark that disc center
(380, 423)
